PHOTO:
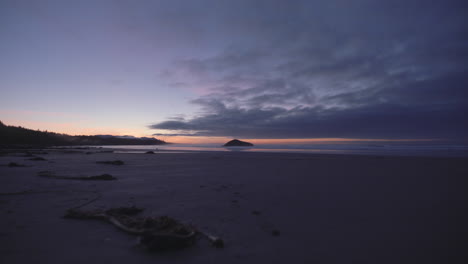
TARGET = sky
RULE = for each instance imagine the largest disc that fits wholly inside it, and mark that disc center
(209, 70)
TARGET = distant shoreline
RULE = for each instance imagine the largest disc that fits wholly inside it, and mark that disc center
(19, 137)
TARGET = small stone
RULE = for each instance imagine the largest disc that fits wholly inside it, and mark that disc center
(275, 232)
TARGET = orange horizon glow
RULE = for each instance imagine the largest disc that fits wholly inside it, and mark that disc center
(73, 129)
(255, 141)
(322, 140)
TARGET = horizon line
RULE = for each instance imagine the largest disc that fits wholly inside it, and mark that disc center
(223, 139)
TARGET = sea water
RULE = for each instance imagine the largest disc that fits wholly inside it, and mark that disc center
(379, 148)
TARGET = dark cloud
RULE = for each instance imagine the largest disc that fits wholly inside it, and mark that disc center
(173, 134)
(374, 121)
(361, 69)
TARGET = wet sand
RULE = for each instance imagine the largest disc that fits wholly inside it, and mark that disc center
(268, 207)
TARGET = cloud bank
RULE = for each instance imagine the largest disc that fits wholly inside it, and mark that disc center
(303, 69)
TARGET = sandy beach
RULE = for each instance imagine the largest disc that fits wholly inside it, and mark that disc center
(267, 207)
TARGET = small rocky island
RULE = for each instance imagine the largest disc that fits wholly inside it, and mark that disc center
(238, 143)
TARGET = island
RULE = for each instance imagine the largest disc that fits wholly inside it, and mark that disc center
(238, 143)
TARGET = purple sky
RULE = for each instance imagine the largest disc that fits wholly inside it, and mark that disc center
(248, 69)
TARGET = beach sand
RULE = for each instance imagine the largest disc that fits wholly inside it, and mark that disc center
(268, 207)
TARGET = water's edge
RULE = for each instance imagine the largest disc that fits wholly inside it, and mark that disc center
(359, 149)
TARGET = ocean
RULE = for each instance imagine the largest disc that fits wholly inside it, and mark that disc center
(386, 149)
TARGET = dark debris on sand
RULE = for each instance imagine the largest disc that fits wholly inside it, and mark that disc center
(111, 162)
(38, 159)
(102, 177)
(133, 210)
(14, 164)
(156, 233)
(275, 232)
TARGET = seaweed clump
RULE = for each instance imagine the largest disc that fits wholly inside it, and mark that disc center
(156, 234)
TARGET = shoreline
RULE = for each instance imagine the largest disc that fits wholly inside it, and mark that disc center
(175, 148)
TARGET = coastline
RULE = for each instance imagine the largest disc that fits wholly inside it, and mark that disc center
(328, 208)
(415, 150)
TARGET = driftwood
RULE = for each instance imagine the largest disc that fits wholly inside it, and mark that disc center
(102, 177)
(156, 233)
